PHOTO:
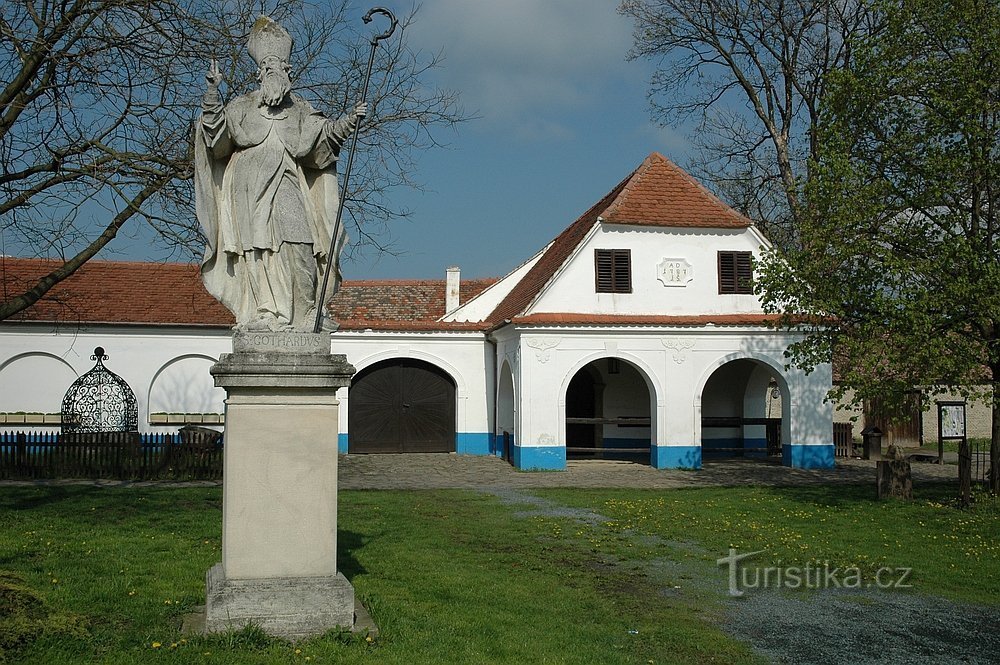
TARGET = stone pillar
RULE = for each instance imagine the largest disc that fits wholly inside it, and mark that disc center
(279, 532)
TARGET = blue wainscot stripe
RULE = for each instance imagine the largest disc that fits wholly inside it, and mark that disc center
(755, 447)
(539, 458)
(613, 442)
(675, 457)
(474, 443)
(808, 457)
(717, 448)
(342, 443)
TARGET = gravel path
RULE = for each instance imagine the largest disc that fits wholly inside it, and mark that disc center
(860, 627)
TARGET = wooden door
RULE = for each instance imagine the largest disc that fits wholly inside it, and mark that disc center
(401, 406)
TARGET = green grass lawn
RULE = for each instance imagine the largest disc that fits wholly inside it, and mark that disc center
(105, 575)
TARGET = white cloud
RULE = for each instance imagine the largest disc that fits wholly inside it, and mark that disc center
(525, 61)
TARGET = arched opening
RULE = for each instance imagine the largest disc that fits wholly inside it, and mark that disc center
(608, 409)
(27, 391)
(506, 413)
(742, 411)
(401, 405)
(185, 385)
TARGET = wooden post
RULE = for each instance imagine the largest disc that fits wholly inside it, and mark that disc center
(964, 473)
(22, 453)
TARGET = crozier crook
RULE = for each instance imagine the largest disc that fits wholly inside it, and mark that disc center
(367, 18)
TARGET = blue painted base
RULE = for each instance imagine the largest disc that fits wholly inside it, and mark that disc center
(474, 443)
(538, 458)
(808, 457)
(466, 443)
(675, 457)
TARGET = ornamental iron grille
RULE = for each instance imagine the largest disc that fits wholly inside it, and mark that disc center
(99, 401)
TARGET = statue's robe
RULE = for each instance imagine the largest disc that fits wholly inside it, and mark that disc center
(266, 197)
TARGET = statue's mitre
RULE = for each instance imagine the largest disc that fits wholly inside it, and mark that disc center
(268, 38)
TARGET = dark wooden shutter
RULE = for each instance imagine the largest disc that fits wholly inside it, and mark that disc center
(735, 272)
(613, 270)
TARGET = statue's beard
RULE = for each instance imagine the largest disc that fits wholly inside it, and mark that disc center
(274, 87)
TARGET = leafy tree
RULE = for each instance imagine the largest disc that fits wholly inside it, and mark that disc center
(97, 99)
(900, 256)
(753, 72)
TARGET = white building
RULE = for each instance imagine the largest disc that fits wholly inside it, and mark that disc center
(635, 331)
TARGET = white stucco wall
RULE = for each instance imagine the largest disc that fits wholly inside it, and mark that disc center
(573, 289)
(677, 363)
(480, 307)
(162, 365)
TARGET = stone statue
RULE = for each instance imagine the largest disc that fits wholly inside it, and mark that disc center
(266, 193)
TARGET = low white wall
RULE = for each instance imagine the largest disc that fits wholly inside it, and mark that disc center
(167, 368)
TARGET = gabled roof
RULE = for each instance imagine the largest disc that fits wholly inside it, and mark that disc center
(658, 193)
(123, 292)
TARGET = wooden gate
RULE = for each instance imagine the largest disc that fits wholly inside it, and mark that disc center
(401, 406)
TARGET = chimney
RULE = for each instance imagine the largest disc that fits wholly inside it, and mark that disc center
(451, 293)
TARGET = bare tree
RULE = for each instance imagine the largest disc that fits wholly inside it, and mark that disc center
(97, 99)
(753, 73)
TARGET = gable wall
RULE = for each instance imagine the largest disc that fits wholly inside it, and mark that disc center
(572, 290)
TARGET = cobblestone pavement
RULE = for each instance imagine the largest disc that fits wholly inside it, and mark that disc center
(442, 470)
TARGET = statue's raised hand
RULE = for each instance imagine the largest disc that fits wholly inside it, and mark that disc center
(213, 76)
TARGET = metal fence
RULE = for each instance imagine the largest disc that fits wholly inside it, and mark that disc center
(113, 455)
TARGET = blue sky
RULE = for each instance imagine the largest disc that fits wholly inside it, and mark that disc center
(563, 117)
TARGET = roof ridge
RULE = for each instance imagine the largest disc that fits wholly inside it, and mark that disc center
(632, 179)
(674, 198)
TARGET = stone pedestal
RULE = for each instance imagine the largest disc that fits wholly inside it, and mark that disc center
(279, 533)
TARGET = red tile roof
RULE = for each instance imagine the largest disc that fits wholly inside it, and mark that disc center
(399, 304)
(658, 193)
(116, 292)
(172, 293)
